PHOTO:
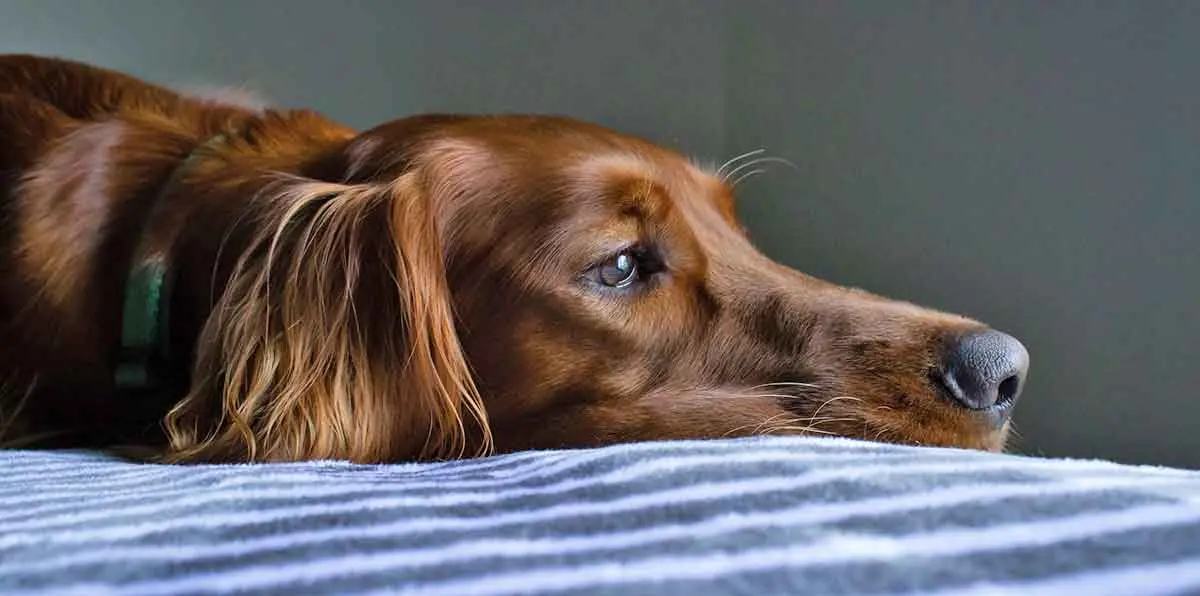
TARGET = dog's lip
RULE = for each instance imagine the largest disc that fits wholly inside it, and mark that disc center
(998, 414)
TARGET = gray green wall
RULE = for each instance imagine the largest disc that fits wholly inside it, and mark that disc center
(1033, 164)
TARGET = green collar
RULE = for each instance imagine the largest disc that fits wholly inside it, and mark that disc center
(143, 356)
(144, 329)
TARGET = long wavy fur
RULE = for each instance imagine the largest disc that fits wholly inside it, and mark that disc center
(334, 338)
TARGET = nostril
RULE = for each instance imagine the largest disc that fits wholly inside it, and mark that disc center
(984, 369)
(1008, 390)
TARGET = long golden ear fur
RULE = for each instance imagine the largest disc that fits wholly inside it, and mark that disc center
(334, 339)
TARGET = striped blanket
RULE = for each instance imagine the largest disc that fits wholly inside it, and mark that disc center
(748, 516)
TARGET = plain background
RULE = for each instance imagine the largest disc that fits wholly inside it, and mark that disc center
(1032, 164)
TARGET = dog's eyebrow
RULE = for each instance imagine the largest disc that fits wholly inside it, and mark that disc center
(607, 166)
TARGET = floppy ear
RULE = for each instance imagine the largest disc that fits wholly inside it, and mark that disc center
(334, 339)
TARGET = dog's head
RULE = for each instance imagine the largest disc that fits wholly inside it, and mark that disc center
(459, 283)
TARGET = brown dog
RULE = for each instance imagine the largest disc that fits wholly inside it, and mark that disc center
(243, 285)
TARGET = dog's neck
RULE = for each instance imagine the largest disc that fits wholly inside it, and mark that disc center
(145, 362)
(232, 171)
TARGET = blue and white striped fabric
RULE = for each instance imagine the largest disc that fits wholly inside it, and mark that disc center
(749, 516)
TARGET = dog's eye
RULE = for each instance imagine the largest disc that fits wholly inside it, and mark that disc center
(619, 271)
(626, 269)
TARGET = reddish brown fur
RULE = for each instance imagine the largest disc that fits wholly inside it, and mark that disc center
(414, 291)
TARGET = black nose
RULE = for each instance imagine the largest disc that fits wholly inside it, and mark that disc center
(984, 369)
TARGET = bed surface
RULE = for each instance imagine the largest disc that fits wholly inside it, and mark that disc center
(748, 516)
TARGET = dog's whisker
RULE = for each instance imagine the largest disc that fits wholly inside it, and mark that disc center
(882, 434)
(760, 161)
(768, 421)
(757, 426)
(772, 395)
(792, 423)
(746, 176)
(832, 400)
(829, 421)
(721, 170)
(812, 419)
(798, 429)
(724, 396)
(842, 398)
(787, 384)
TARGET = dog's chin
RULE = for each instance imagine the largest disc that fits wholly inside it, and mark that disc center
(978, 437)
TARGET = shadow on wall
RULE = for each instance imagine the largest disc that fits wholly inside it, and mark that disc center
(1033, 165)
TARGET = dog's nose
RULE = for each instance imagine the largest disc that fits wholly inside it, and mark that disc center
(984, 369)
